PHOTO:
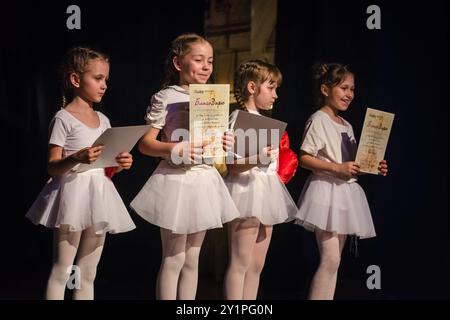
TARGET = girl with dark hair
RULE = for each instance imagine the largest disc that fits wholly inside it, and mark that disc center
(332, 204)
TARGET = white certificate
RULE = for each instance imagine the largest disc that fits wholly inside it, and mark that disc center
(115, 140)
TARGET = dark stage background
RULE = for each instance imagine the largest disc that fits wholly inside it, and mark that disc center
(402, 68)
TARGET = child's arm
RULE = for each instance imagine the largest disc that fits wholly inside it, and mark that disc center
(57, 165)
(151, 146)
(343, 171)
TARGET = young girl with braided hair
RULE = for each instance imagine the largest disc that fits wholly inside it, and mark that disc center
(260, 196)
(81, 207)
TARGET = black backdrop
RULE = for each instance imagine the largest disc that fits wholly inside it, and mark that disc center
(402, 68)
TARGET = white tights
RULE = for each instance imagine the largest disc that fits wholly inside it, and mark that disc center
(248, 244)
(323, 283)
(86, 247)
(178, 273)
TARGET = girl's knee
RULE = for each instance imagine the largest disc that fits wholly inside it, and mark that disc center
(174, 262)
(257, 266)
(191, 260)
(330, 262)
(88, 273)
(60, 273)
(240, 263)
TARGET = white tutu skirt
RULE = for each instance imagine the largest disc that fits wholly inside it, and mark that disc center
(185, 201)
(81, 200)
(262, 195)
(332, 204)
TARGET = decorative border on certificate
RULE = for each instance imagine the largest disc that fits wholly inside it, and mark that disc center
(208, 116)
(374, 138)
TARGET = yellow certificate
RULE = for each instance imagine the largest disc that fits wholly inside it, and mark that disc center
(374, 139)
(208, 116)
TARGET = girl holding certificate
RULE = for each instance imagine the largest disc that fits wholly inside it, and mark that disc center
(260, 196)
(80, 207)
(184, 198)
(332, 204)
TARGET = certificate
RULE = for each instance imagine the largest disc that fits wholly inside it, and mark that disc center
(374, 139)
(115, 140)
(208, 116)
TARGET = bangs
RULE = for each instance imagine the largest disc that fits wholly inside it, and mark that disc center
(273, 75)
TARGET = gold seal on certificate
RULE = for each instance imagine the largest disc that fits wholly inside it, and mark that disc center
(208, 116)
(374, 138)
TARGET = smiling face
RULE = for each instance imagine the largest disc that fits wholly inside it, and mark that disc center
(340, 96)
(196, 66)
(91, 84)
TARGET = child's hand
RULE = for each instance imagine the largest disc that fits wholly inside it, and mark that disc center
(269, 153)
(347, 170)
(273, 153)
(88, 155)
(187, 153)
(383, 168)
(124, 160)
(228, 140)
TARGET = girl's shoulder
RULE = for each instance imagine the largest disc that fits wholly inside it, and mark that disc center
(172, 90)
(102, 117)
(171, 94)
(232, 118)
(62, 115)
(318, 116)
(63, 119)
(234, 113)
(321, 117)
(68, 121)
(346, 122)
